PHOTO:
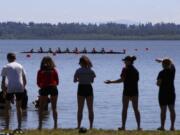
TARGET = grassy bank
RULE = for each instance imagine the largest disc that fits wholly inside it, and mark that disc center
(98, 132)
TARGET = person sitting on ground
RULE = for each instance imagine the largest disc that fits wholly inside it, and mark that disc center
(167, 95)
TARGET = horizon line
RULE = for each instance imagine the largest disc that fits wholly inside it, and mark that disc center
(94, 23)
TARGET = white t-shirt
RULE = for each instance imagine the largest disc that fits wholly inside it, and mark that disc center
(84, 75)
(14, 73)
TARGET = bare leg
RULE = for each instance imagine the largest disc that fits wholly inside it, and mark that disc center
(81, 101)
(136, 111)
(54, 104)
(90, 110)
(19, 113)
(125, 102)
(7, 113)
(163, 117)
(42, 101)
(172, 116)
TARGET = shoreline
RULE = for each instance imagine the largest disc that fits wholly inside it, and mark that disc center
(95, 37)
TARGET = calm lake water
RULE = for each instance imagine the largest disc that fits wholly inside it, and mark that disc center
(107, 104)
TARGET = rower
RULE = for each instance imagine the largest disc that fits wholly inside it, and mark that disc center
(76, 50)
(40, 50)
(124, 51)
(32, 50)
(111, 51)
(94, 50)
(102, 50)
(50, 50)
(58, 50)
(67, 50)
(84, 50)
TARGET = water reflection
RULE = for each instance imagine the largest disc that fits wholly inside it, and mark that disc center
(2, 118)
(25, 118)
(107, 98)
(45, 117)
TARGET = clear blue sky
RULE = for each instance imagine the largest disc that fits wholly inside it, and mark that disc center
(54, 11)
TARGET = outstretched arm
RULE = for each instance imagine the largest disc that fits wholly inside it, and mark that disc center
(114, 81)
(158, 60)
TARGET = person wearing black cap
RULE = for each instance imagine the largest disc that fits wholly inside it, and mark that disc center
(129, 76)
(167, 96)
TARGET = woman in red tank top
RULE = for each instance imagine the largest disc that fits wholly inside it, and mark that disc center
(47, 80)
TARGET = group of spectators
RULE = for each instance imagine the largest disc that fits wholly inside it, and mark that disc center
(14, 88)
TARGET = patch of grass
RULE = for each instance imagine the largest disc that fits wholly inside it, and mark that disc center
(98, 132)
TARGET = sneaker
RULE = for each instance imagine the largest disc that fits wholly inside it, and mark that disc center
(18, 132)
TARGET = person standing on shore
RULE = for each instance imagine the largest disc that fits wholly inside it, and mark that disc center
(16, 82)
(47, 81)
(130, 77)
(85, 76)
(167, 95)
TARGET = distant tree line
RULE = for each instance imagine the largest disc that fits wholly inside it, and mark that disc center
(17, 30)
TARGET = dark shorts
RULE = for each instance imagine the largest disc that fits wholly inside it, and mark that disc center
(168, 99)
(85, 90)
(19, 96)
(129, 93)
(51, 90)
